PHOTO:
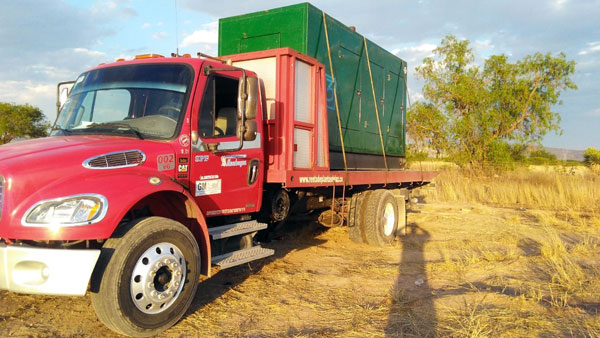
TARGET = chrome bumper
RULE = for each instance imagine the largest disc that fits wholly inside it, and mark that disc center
(46, 271)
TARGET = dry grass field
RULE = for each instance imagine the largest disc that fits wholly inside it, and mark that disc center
(511, 255)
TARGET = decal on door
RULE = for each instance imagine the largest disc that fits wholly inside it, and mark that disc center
(233, 161)
(184, 140)
(165, 162)
(183, 168)
(208, 187)
(201, 158)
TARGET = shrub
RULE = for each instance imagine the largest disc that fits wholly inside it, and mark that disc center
(591, 157)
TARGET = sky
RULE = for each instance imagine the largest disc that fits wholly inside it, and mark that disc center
(43, 42)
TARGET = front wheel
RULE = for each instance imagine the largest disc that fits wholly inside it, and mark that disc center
(146, 279)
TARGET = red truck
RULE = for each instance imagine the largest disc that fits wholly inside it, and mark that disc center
(158, 169)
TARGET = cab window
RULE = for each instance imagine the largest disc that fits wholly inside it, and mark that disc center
(218, 113)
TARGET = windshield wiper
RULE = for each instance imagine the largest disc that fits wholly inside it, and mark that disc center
(65, 131)
(109, 125)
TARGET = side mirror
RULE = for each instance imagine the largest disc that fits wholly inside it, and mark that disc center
(248, 97)
(252, 91)
(250, 130)
(63, 89)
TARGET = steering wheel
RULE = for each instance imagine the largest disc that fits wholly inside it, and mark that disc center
(219, 131)
(169, 111)
(169, 118)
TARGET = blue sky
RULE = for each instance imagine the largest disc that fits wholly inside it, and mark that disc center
(44, 42)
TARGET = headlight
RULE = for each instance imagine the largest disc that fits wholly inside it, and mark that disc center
(67, 211)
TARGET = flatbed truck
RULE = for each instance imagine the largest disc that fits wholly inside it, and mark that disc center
(160, 169)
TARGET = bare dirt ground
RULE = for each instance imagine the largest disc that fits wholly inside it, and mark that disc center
(462, 270)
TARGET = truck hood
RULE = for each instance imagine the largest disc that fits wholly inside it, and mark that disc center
(58, 145)
(52, 167)
(62, 152)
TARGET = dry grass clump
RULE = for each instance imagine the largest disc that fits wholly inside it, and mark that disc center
(553, 190)
(486, 315)
(469, 320)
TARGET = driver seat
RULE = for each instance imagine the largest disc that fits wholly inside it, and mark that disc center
(226, 121)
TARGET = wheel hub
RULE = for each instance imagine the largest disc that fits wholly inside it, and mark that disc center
(389, 219)
(157, 278)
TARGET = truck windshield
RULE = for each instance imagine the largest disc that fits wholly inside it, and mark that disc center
(145, 101)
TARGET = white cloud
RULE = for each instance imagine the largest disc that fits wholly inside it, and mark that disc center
(415, 96)
(591, 48)
(484, 45)
(558, 4)
(36, 94)
(207, 35)
(159, 36)
(594, 113)
(108, 9)
(89, 52)
(422, 48)
(414, 54)
(146, 25)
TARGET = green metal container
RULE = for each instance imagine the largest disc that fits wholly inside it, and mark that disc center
(302, 28)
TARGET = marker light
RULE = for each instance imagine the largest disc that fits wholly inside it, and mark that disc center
(148, 56)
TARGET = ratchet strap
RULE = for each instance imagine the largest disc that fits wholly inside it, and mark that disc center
(337, 109)
(339, 121)
(376, 108)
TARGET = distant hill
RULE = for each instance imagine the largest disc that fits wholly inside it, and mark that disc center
(566, 154)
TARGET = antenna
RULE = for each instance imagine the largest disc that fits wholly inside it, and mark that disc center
(176, 30)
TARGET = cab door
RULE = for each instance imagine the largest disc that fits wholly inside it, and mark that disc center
(224, 180)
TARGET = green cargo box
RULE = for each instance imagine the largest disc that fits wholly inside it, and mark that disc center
(302, 28)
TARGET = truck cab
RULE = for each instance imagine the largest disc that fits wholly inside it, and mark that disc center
(141, 153)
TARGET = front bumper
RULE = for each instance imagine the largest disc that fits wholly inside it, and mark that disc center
(63, 272)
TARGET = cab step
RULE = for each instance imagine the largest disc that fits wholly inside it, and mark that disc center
(234, 229)
(241, 256)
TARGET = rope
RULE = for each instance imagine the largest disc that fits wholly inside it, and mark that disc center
(376, 108)
(337, 109)
(406, 87)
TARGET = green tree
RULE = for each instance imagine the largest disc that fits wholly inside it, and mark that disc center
(474, 113)
(543, 153)
(21, 120)
(591, 157)
(541, 157)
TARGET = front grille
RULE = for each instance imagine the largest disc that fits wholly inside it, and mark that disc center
(121, 159)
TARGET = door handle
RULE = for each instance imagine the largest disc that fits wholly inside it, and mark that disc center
(253, 171)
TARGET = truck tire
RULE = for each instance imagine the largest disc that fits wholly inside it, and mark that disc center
(402, 216)
(356, 230)
(146, 279)
(402, 199)
(380, 218)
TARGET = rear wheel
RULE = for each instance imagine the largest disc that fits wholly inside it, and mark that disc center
(380, 218)
(356, 230)
(402, 216)
(146, 279)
